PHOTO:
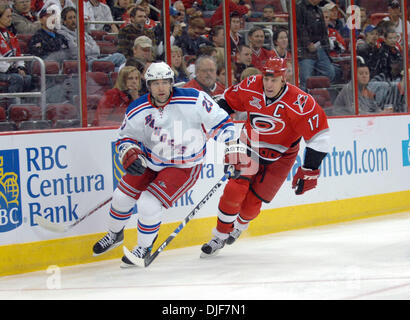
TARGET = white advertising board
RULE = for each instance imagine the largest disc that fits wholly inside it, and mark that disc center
(62, 175)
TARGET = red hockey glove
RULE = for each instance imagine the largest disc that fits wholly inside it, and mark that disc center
(236, 157)
(304, 180)
(133, 160)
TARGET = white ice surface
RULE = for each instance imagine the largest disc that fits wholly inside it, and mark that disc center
(365, 259)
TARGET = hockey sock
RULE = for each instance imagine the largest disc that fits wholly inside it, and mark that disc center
(120, 211)
(230, 203)
(149, 220)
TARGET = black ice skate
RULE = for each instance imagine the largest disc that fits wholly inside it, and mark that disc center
(212, 247)
(110, 241)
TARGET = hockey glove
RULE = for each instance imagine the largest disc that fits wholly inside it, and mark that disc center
(304, 180)
(236, 158)
(133, 160)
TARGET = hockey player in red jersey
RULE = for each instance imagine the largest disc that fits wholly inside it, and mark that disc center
(278, 116)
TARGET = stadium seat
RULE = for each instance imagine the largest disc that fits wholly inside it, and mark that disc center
(67, 123)
(71, 67)
(92, 101)
(317, 82)
(34, 125)
(4, 86)
(61, 111)
(98, 34)
(8, 126)
(98, 83)
(24, 112)
(107, 47)
(322, 96)
(103, 66)
(23, 47)
(111, 38)
(52, 67)
(2, 114)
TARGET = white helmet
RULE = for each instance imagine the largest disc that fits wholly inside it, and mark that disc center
(157, 71)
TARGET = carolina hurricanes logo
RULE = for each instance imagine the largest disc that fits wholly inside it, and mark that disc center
(301, 102)
(265, 124)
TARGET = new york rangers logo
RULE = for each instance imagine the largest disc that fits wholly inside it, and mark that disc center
(255, 103)
(301, 102)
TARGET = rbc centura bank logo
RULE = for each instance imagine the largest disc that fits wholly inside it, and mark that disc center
(117, 170)
(10, 198)
(406, 150)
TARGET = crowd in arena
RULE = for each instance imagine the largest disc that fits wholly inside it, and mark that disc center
(123, 37)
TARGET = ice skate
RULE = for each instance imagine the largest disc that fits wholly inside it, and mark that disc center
(212, 247)
(233, 236)
(136, 257)
(110, 241)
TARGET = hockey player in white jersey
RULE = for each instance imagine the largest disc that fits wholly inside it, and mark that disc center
(161, 145)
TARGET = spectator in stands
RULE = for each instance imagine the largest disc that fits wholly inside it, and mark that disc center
(24, 20)
(367, 48)
(180, 17)
(268, 13)
(46, 43)
(334, 21)
(176, 30)
(178, 65)
(395, 99)
(192, 37)
(221, 75)
(142, 50)
(236, 38)
(336, 41)
(217, 36)
(243, 60)
(98, 11)
(210, 5)
(395, 17)
(120, 10)
(133, 30)
(92, 50)
(242, 10)
(313, 42)
(388, 56)
(281, 43)
(256, 38)
(344, 103)
(364, 20)
(14, 73)
(250, 71)
(205, 77)
(112, 106)
(149, 23)
(384, 84)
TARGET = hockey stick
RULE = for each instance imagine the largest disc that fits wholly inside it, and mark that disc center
(150, 258)
(57, 227)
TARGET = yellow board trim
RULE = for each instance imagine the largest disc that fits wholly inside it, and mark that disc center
(34, 256)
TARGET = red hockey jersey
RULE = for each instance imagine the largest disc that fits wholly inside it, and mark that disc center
(270, 130)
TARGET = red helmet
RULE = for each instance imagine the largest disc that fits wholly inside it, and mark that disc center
(275, 66)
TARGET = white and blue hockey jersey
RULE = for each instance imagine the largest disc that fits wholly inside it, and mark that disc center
(175, 134)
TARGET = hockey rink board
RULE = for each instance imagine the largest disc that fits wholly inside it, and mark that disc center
(62, 175)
